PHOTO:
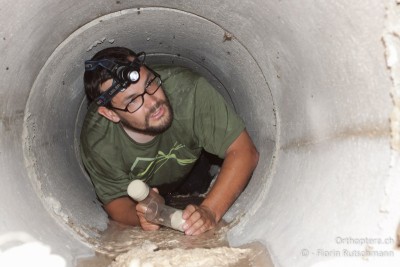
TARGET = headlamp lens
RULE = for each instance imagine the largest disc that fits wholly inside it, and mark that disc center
(133, 76)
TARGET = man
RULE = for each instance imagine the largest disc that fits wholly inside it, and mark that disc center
(153, 126)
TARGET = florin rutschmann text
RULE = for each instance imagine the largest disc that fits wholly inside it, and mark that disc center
(355, 247)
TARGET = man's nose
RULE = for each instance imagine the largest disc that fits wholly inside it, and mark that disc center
(150, 100)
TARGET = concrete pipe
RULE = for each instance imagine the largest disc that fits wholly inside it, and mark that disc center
(317, 83)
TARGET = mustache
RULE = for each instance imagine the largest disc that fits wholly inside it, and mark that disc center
(156, 106)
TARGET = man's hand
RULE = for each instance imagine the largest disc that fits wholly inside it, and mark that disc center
(140, 211)
(199, 219)
(146, 225)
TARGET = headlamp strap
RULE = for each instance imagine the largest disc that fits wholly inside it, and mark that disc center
(106, 97)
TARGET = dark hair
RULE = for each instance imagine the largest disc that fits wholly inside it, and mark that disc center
(93, 79)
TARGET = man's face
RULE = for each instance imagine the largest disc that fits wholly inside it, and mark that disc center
(153, 117)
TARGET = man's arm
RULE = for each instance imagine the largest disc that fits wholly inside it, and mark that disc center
(123, 210)
(241, 159)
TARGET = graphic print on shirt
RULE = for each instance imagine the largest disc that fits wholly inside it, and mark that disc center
(146, 167)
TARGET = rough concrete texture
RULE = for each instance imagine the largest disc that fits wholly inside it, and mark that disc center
(317, 83)
(391, 39)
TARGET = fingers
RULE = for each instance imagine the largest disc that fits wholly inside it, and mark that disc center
(188, 212)
(155, 189)
(140, 208)
(198, 220)
(146, 225)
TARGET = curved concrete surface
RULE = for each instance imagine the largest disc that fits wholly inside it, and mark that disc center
(317, 84)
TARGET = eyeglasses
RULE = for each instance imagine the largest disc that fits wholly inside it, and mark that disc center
(137, 102)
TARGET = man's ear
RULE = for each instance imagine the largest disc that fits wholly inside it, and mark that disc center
(109, 114)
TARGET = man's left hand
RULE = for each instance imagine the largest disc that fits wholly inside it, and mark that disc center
(199, 219)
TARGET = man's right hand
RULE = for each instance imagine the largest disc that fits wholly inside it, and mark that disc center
(141, 210)
(146, 225)
(125, 210)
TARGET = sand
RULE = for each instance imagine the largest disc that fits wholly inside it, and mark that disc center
(150, 256)
(131, 246)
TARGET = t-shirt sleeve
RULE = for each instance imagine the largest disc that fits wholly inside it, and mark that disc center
(216, 125)
(109, 182)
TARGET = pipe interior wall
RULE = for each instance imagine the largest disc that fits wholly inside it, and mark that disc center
(310, 79)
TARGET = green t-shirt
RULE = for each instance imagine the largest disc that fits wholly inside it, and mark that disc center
(202, 120)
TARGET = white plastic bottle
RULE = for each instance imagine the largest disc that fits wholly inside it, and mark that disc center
(157, 212)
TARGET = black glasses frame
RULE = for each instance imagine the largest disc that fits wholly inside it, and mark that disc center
(156, 76)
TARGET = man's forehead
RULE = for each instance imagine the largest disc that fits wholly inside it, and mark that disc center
(105, 85)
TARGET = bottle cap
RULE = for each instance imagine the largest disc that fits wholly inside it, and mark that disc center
(177, 221)
(138, 190)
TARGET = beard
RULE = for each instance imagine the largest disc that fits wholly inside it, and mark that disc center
(153, 130)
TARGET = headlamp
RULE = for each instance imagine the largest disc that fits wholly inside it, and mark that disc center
(124, 74)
